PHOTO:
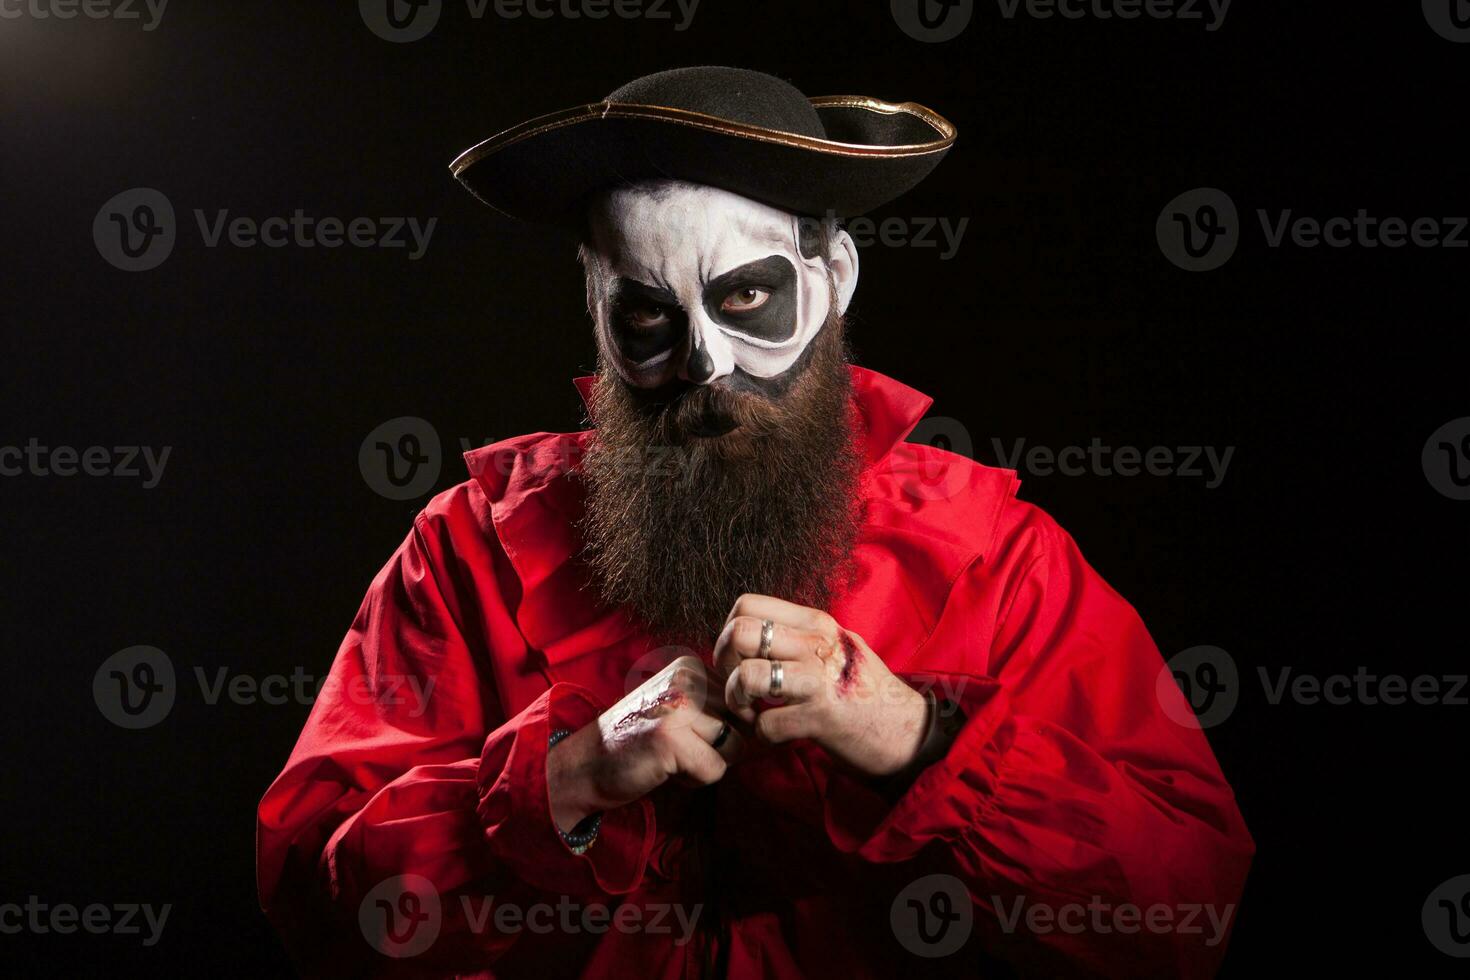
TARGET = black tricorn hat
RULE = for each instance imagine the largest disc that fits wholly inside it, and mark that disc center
(745, 131)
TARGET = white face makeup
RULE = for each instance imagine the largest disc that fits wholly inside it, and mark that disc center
(697, 283)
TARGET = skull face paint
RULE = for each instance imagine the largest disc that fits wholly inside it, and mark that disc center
(698, 284)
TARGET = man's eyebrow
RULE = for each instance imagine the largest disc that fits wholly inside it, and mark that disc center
(658, 294)
(771, 270)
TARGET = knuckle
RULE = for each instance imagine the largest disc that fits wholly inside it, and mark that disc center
(746, 631)
(749, 673)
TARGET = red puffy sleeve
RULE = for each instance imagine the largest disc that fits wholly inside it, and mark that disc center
(409, 777)
(1095, 834)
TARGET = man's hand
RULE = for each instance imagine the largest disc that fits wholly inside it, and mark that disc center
(834, 689)
(662, 730)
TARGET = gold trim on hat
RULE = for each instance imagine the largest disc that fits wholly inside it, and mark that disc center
(716, 124)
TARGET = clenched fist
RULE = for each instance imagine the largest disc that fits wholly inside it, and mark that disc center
(833, 688)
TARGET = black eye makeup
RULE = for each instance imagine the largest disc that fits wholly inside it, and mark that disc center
(757, 299)
(646, 321)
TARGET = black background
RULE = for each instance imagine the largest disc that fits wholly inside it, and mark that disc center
(1059, 320)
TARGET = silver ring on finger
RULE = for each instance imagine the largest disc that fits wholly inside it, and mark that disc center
(768, 636)
(720, 738)
(778, 674)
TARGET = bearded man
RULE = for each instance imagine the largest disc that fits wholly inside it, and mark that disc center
(737, 682)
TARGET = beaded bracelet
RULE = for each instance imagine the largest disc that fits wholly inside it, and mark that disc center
(581, 837)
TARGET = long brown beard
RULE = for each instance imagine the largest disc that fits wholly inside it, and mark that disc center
(677, 527)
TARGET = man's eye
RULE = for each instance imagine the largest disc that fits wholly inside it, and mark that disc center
(745, 300)
(648, 316)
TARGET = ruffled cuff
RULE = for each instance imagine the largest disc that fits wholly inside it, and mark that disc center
(947, 800)
(515, 809)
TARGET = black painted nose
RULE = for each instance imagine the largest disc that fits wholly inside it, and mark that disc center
(701, 366)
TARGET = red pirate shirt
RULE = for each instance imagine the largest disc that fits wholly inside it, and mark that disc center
(1072, 827)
